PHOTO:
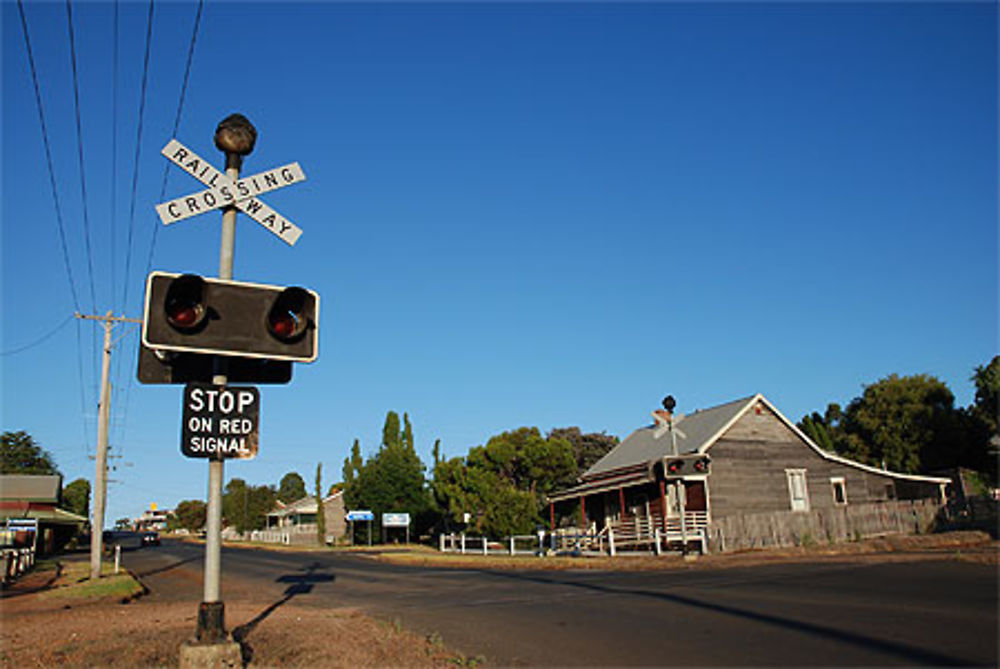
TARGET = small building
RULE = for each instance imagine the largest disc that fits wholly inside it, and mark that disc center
(295, 523)
(153, 519)
(26, 497)
(701, 476)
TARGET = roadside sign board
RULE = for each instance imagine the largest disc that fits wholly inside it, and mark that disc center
(395, 520)
(359, 515)
(220, 422)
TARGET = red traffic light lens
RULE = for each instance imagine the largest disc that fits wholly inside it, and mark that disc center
(675, 466)
(184, 305)
(284, 326)
(288, 318)
(183, 315)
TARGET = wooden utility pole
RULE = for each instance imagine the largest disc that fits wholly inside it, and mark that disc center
(103, 419)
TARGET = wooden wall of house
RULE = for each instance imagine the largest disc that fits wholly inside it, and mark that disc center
(749, 463)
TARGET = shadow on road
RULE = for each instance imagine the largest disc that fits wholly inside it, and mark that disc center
(172, 565)
(911, 654)
(300, 583)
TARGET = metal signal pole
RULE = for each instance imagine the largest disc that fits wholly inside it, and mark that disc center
(235, 136)
(103, 418)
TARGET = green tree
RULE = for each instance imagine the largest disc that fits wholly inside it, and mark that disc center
(406, 438)
(587, 448)
(981, 422)
(189, 515)
(436, 452)
(245, 507)
(20, 454)
(502, 485)
(393, 479)
(320, 514)
(391, 436)
(291, 488)
(986, 405)
(353, 464)
(908, 423)
(76, 497)
(822, 429)
(527, 460)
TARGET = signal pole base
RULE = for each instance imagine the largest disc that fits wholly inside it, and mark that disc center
(196, 655)
(212, 623)
(211, 648)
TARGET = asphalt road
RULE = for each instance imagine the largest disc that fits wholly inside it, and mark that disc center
(918, 613)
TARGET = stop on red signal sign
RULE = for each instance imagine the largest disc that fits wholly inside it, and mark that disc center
(220, 422)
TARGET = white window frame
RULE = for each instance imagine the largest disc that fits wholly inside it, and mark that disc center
(842, 482)
(803, 502)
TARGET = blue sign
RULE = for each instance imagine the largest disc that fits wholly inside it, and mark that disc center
(359, 515)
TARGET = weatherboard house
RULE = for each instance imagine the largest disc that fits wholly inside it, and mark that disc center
(739, 475)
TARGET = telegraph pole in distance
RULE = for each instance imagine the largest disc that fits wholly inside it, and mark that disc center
(103, 419)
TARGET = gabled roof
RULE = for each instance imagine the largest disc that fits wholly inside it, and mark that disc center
(695, 432)
(698, 431)
(30, 487)
(305, 504)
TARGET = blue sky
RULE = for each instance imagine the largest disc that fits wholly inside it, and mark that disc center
(545, 214)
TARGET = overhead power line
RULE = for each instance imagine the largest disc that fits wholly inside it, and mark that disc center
(79, 153)
(138, 147)
(40, 340)
(48, 156)
(177, 123)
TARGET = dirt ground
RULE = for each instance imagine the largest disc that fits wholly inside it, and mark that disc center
(44, 631)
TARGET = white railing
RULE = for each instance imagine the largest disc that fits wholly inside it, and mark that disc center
(630, 533)
(467, 544)
(16, 561)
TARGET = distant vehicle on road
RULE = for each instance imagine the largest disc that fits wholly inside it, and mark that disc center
(127, 539)
(150, 538)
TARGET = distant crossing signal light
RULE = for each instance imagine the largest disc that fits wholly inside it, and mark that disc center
(679, 466)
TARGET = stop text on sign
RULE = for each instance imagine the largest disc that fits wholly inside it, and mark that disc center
(220, 422)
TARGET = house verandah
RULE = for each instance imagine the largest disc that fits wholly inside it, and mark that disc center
(638, 508)
(767, 484)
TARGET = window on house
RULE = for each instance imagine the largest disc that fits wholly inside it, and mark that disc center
(839, 491)
(797, 490)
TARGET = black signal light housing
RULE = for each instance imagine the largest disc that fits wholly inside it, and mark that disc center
(193, 314)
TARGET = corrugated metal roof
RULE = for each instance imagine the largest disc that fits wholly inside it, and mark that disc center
(30, 487)
(694, 432)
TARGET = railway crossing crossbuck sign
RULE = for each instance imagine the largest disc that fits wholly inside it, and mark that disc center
(222, 192)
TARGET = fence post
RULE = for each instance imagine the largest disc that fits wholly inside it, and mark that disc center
(462, 536)
(118, 557)
(485, 545)
(512, 544)
(656, 541)
(441, 542)
(611, 541)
